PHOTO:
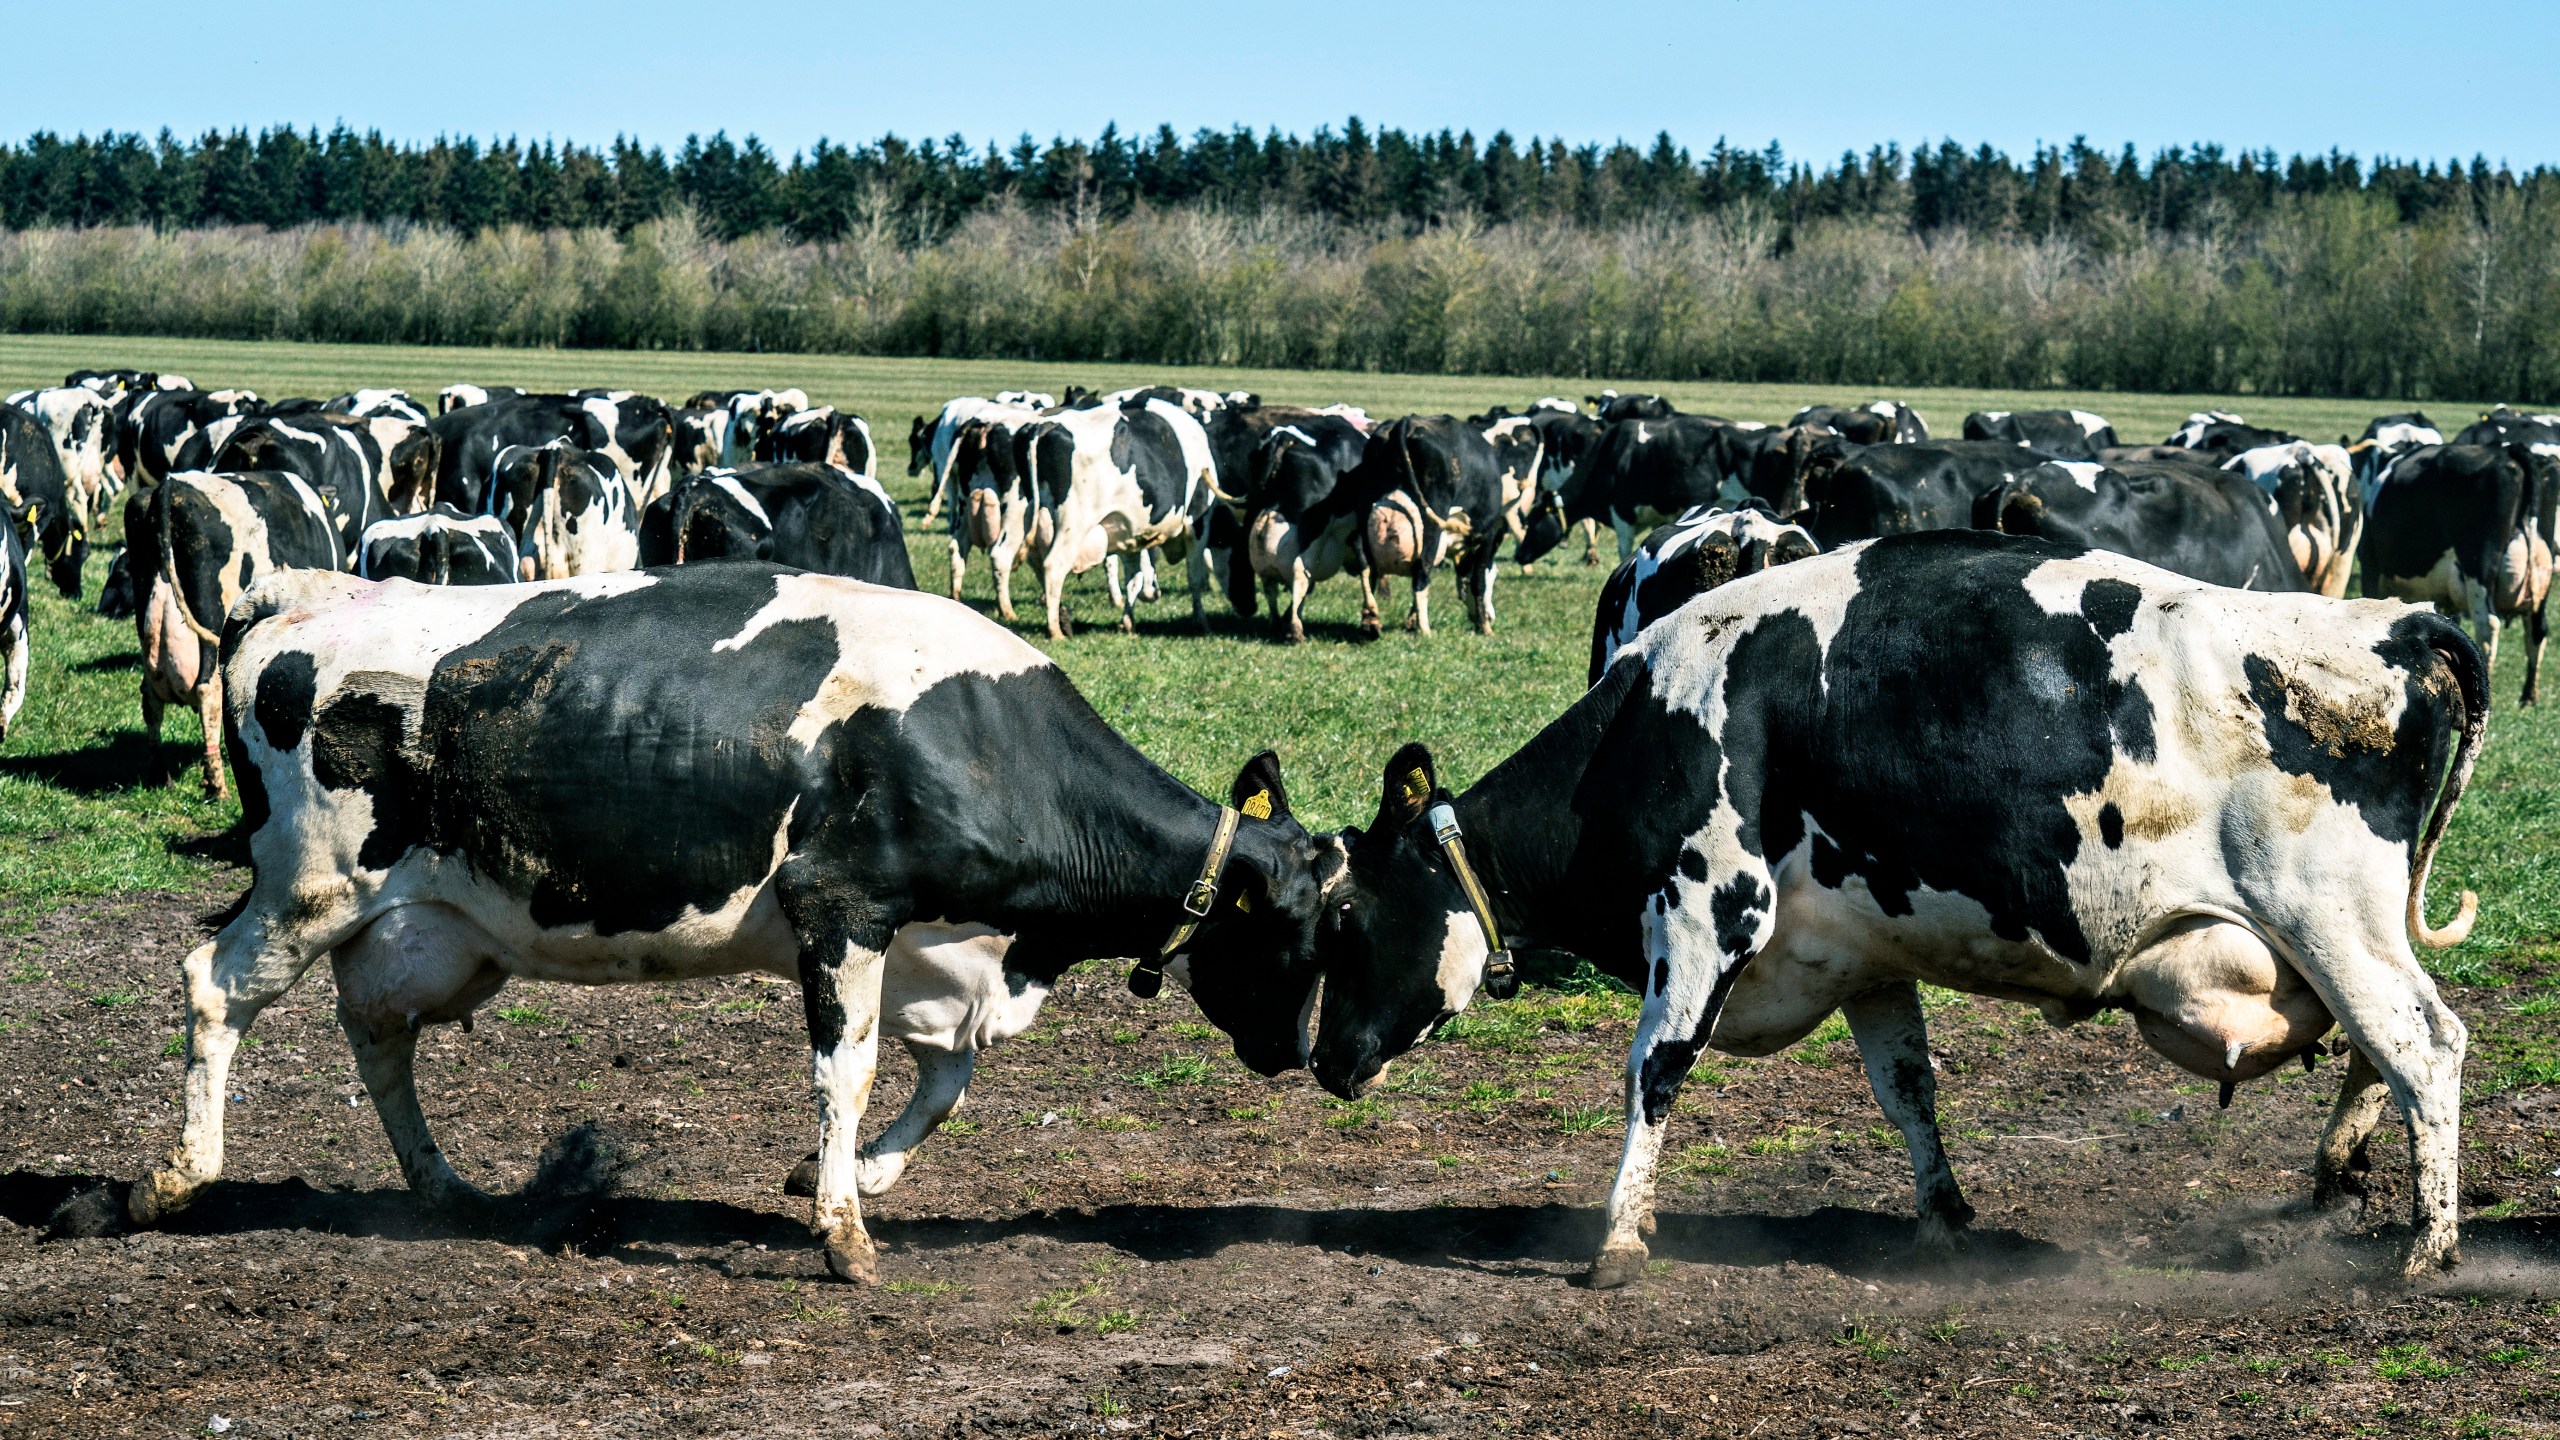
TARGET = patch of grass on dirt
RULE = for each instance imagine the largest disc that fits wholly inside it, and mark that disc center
(1179, 1069)
(1703, 1158)
(1352, 1114)
(1793, 1140)
(921, 1287)
(1577, 1119)
(1485, 1094)
(2412, 1362)
(1521, 1022)
(525, 1015)
(1815, 1049)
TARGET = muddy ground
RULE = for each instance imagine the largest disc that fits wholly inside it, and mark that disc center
(1125, 1232)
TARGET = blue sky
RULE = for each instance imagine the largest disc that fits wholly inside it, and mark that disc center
(2448, 79)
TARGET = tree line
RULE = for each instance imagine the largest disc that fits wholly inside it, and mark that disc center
(1385, 177)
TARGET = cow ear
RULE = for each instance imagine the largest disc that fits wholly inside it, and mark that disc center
(1258, 792)
(1411, 781)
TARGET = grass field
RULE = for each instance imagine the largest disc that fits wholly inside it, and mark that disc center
(77, 815)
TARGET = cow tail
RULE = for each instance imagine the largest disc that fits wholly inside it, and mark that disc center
(169, 566)
(1456, 524)
(2471, 675)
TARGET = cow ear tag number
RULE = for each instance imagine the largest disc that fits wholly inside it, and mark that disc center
(1259, 806)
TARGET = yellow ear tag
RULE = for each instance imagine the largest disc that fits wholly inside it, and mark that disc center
(1244, 901)
(1258, 806)
(1417, 786)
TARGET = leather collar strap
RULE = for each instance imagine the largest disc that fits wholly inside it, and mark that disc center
(1501, 976)
(1148, 977)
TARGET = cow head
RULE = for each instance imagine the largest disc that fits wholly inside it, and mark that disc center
(1398, 943)
(61, 538)
(1250, 966)
(1542, 529)
(1790, 472)
(919, 445)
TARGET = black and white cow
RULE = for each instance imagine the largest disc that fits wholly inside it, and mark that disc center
(2221, 434)
(1103, 481)
(14, 653)
(2217, 527)
(463, 397)
(463, 785)
(2386, 438)
(571, 512)
(1996, 765)
(157, 424)
(2062, 434)
(1435, 496)
(1609, 407)
(441, 546)
(2470, 529)
(824, 436)
(1300, 517)
(82, 422)
(2506, 425)
(116, 383)
(38, 496)
(1878, 422)
(811, 517)
(337, 456)
(2320, 507)
(200, 540)
(471, 437)
(378, 405)
(638, 432)
(1685, 559)
(981, 470)
(1855, 492)
(1638, 473)
(751, 416)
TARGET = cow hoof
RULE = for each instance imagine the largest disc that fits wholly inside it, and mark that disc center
(854, 1260)
(2429, 1254)
(1617, 1265)
(803, 1179)
(161, 1194)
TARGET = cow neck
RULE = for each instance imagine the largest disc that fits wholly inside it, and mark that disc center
(1523, 829)
(1136, 859)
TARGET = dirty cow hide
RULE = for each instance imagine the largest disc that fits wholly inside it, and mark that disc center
(464, 785)
(1685, 559)
(1996, 765)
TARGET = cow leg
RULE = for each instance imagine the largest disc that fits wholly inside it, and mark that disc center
(413, 966)
(1053, 590)
(1370, 621)
(2352, 1121)
(209, 713)
(227, 980)
(959, 565)
(1420, 620)
(1195, 570)
(154, 709)
(942, 1084)
(1626, 536)
(1590, 542)
(386, 1060)
(2536, 631)
(1120, 600)
(1893, 1040)
(842, 947)
(1300, 582)
(1482, 596)
(2393, 1016)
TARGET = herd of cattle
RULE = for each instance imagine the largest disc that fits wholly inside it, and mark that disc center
(1870, 710)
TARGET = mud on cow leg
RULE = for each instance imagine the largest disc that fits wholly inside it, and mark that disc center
(942, 1084)
(209, 712)
(1893, 1039)
(2352, 1121)
(843, 942)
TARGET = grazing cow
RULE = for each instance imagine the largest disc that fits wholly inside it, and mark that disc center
(812, 517)
(463, 397)
(38, 495)
(13, 627)
(752, 414)
(160, 423)
(2221, 434)
(638, 432)
(117, 383)
(2319, 506)
(1692, 555)
(2470, 529)
(2386, 439)
(83, 426)
(1109, 480)
(1639, 473)
(2062, 434)
(1519, 454)
(337, 456)
(2216, 527)
(377, 405)
(929, 442)
(1435, 494)
(823, 436)
(1609, 407)
(203, 539)
(1858, 492)
(991, 510)
(2504, 425)
(570, 510)
(464, 785)
(470, 439)
(1878, 422)
(1996, 765)
(442, 546)
(1299, 515)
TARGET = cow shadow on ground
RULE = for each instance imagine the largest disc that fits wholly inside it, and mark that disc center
(123, 763)
(110, 664)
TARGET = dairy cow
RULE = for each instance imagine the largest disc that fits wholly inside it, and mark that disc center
(2215, 526)
(444, 788)
(1846, 492)
(981, 469)
(470, 439)
(1878, 422)
(2386, 438)
(463, 397)
(441, 546)
(1697, 552)
(1434, 496)
(38, 497)
(811, 517)
(1103, 481)
(569, 508)
(336, 456)
(2470, 529)
(2001, 766)
(377, 405)
(159, 423)
(1300, 517)
(2320, 506)
(2505, 425)
(2062, 434)
(2221, 434)
(82, 424)
(1638, 473)
(13, 627)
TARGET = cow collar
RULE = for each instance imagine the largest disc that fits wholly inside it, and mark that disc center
(1148, 977)
(1501, 976)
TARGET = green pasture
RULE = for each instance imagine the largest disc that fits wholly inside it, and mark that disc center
(79, 814)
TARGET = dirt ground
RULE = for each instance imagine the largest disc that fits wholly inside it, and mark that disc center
(1125, 1232)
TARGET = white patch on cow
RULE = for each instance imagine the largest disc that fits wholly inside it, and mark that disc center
(2083, 473)
(2089, 424)
(1995, 416)
(1686, 650)
(2401, 435)
(1197, 459)
(1556, 403)
(1462, 956)
(897, 645)
(729, 486)
(1294, 433)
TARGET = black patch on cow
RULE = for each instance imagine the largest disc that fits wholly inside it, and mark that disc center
(356, 745)
(2110, 606)
(1667, 1064)
(285, 691)
(1692, 864)
(1735, 905)
(1765, 702)
(248, 570)
(2111, 826)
